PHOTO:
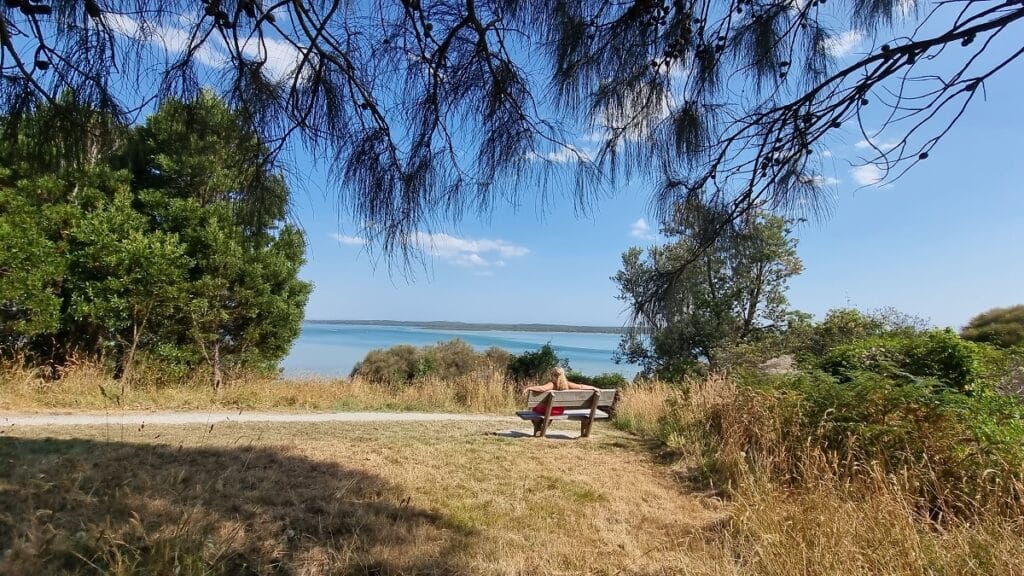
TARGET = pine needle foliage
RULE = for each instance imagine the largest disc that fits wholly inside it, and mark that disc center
(428, 109)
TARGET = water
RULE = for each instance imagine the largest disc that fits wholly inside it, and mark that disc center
(333, 349)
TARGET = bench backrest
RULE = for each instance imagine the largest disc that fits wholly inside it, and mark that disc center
(572, 398)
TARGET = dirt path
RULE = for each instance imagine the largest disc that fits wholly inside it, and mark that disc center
(95, 418)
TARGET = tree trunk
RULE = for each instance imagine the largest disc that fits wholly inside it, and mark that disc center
(128, 359)
(755, 298)
(218, 377)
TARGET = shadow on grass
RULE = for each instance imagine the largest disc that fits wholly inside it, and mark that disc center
(93, 507)
(548, 436)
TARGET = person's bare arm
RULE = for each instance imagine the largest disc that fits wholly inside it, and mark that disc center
(543, 388)
(575, 386)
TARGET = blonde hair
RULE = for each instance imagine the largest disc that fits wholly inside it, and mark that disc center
(559, 380)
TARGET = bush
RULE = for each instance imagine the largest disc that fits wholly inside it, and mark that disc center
(449, 360)
(950, 454)
(1002, 369)
(454, 360)
(535, 366)
(954, 452)
(938, 354)
(1003, 327)
(605, 380)
(807, 342)
(397, 365)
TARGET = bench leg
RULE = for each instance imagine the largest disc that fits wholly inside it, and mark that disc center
(538, 426)
(585, 428)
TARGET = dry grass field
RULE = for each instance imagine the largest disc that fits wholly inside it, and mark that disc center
(451, 497)
(89, 388)
(382, 498)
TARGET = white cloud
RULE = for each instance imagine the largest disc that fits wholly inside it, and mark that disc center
(825, 153)
(883, 145)
(349, 240)
(641, 229)
(467, 252)
(867, 175)
(567, 153)
(820, 180)
(171, 38)
(281, 58)
(843, 44)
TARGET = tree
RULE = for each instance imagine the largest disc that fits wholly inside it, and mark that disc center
(733, 293)
(427, 107)
(30, 273)
(1003, 327)
(535, 365)
(200, 177)
(184, 255)
(122, 279)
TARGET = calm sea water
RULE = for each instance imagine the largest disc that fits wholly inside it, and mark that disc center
(333, 349)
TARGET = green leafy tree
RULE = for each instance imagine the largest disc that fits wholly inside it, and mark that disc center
(1002, 327)
(30, 273)
(122, 279)
(728, 295)
(186, 255)
(202, 176)
(535, 365)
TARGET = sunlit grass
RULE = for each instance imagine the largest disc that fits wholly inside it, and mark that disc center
(381, 498)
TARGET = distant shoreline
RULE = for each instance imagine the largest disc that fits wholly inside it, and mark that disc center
(478, 327)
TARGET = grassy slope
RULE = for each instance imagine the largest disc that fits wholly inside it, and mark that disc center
(340, 498)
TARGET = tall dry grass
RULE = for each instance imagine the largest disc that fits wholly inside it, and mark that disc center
(87, 387)
(797, 508)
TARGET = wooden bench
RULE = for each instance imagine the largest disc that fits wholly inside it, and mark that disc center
(582, 405)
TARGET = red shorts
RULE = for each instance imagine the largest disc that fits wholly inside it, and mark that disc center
(555, 410)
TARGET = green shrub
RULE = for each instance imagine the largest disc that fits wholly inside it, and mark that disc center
(535, 366)
(396, 365)
(451, 361)
(957, 452)
(498, 358)
(605, 380)
(953, 455)
(1002, 369)
(1003, 327)
(938, 354)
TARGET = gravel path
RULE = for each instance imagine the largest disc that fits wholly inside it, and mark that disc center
(88, 419)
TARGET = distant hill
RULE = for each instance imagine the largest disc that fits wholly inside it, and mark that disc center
(469, 326)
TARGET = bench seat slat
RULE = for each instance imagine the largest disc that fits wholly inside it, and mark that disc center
(567, 415)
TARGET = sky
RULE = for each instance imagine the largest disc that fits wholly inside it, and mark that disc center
(944, 242)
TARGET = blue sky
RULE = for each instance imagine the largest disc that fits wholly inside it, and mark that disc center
(944, 242)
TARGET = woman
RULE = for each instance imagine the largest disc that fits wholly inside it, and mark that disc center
(558, 382)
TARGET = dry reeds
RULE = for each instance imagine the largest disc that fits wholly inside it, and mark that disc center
(799, 506)
(87, 387)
